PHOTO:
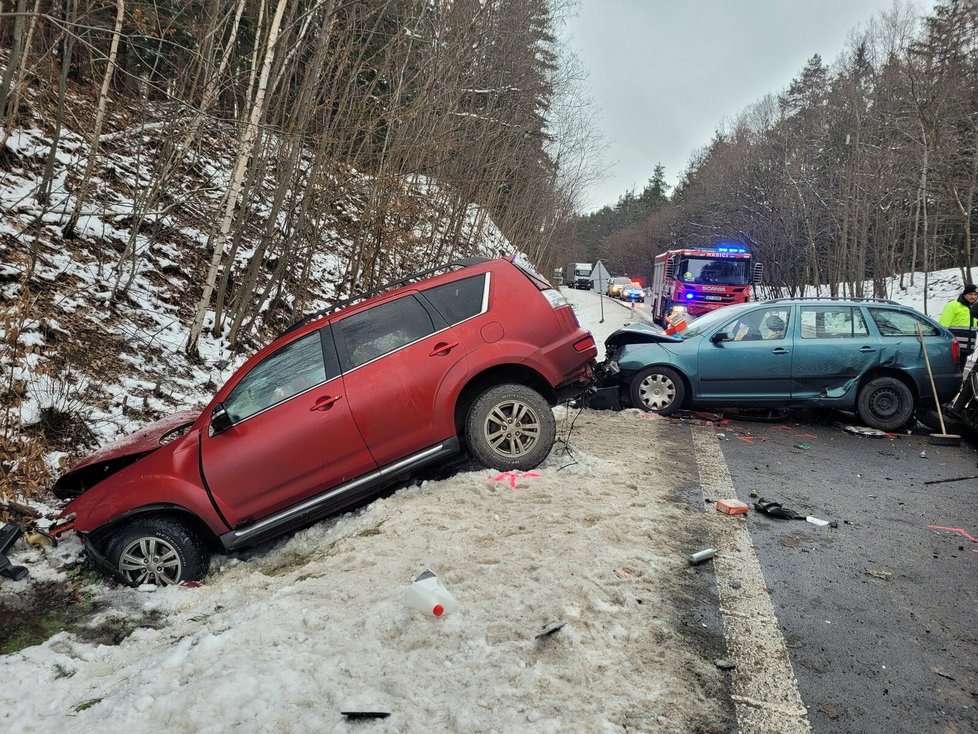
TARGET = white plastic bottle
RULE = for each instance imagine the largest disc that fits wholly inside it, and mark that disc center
(427, 595)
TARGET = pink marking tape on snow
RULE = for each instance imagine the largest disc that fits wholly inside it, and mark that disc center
(513, 476)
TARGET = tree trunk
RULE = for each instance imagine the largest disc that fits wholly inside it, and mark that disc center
(103, 98)
(244, 150)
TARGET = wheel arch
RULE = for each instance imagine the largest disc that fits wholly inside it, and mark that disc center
(889, 372)
(499, 375)
(101, 535)
(687, 383)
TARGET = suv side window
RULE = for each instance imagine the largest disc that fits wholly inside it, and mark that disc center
(832, 322)
(382, 329)
(891, 322)
(461, 299)
(295, 368)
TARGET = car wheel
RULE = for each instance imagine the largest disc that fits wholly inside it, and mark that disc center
(510, 427)
(885, 403)
(156, 550)
(657, 390)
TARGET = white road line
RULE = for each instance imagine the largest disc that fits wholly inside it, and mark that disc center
(764, 688)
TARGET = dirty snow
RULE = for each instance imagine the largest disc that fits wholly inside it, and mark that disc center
(289, 635)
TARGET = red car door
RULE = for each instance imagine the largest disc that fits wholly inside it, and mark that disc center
(292, 436)
(402, 366)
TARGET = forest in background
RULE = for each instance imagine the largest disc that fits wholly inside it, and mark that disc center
(314, 101)
(859, 170)
(180, 180)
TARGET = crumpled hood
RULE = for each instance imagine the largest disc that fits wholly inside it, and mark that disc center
(143, 441)
(639, 334)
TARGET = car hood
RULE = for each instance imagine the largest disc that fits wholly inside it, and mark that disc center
(639, 334)
(143, 441)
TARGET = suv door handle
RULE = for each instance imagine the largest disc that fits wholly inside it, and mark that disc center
(779, 350)
(867, 349)
(442, 348)
(324, 402)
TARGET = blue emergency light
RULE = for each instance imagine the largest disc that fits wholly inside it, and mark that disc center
(689, 296)
(731, 248)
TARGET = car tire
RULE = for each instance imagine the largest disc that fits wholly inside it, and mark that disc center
(885, 403)
(657, 390)
(157, 550)
(509, 427)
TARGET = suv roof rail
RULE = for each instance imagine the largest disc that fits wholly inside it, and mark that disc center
(858, 299)
(464, 262)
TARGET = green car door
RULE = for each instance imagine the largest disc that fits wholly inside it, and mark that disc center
(747, 361)
(833, 349)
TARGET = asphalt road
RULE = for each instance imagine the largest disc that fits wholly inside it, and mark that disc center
(879, 612)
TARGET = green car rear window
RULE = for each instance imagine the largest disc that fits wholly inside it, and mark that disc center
(900, 323)
(832, 322)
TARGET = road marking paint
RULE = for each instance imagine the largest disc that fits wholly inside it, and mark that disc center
(960, 531)
(764, 688)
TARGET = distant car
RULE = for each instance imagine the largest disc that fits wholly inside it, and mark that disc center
(346, 402)
(632, 292)
(860, 355)
(615, 286)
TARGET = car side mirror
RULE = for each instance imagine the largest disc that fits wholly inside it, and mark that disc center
(220, 420)
(720, 336)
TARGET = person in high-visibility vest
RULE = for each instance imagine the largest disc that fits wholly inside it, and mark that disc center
(962, 311)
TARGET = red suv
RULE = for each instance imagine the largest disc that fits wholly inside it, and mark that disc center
(346, 402)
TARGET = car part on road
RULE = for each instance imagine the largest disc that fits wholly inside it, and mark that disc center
(8, 536)
(157, 550)
(511, 427)
(658, 389)
(864, 431)
(776, 509)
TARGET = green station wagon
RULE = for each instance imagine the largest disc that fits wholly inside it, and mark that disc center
(851, 354)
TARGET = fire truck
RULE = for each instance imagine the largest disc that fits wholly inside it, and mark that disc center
(695, 281)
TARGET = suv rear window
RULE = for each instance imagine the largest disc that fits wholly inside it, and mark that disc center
(382, 329)
(462, 299)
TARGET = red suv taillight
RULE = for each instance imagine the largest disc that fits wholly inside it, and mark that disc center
(956, 351)
(582, 345)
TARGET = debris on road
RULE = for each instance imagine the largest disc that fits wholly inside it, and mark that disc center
(725, 664)
(775, 509)
(803, 446)
(865, 431)
(954, 479)
(9, 533)
(731, 507)
(550, 629)
(702, 555)
(882, 575)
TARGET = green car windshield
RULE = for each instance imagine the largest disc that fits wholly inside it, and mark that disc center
(709, 320)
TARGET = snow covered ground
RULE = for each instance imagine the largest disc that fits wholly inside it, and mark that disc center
(288, 636)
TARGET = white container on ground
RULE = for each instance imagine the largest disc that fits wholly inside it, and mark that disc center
(428, 595)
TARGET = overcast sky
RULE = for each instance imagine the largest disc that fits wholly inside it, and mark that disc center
(664, 74)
